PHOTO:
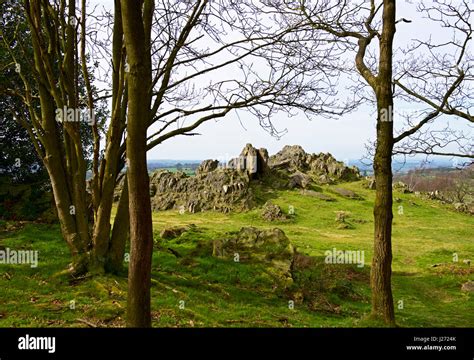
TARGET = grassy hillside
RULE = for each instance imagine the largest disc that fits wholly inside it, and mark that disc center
(191, 288)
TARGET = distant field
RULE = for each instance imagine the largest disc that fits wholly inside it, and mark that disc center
(187, 171)
(196, 289)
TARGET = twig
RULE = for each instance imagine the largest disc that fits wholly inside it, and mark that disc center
(87, 323)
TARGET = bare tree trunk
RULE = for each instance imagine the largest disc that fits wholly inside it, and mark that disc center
(120, 234)
(137, 41)
(110, 169)
(381, 272)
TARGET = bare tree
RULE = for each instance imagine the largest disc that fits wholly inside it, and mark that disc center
(59, 70)
(355, 26)
(366, 30)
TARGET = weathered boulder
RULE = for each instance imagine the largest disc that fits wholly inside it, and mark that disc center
(326, 164)
(270, 246)
(341, 216)
(272, 212)
(460, 207)
(299, 180)
(341, 220)
(207, 166)
(369, 183)
(291, 158)
(372, 185)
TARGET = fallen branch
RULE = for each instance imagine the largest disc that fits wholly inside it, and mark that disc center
(87, 323)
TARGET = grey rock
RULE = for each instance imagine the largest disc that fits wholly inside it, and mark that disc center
(207, 166)
(272, 212)
(221, 190)
(299, 180)
(322, 167)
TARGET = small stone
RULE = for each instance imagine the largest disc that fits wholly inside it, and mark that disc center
(272, 212)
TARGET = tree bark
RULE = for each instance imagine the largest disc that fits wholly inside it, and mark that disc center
(110, 166)
(120, 234)
(381, 272)
(136, 30)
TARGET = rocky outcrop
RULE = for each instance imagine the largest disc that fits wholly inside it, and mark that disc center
(220, 190)
(228, 187)
(322, 168)
(252, 160)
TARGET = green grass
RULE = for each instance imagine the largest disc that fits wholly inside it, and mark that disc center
(199, 290)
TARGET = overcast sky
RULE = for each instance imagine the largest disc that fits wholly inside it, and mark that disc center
(344, 138)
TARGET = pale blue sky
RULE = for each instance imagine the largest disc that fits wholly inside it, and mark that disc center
(344, 138)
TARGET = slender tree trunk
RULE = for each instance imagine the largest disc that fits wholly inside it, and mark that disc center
(102, 226)
(120, 234)
(136, 30)
(110, 166)
(381, 272)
